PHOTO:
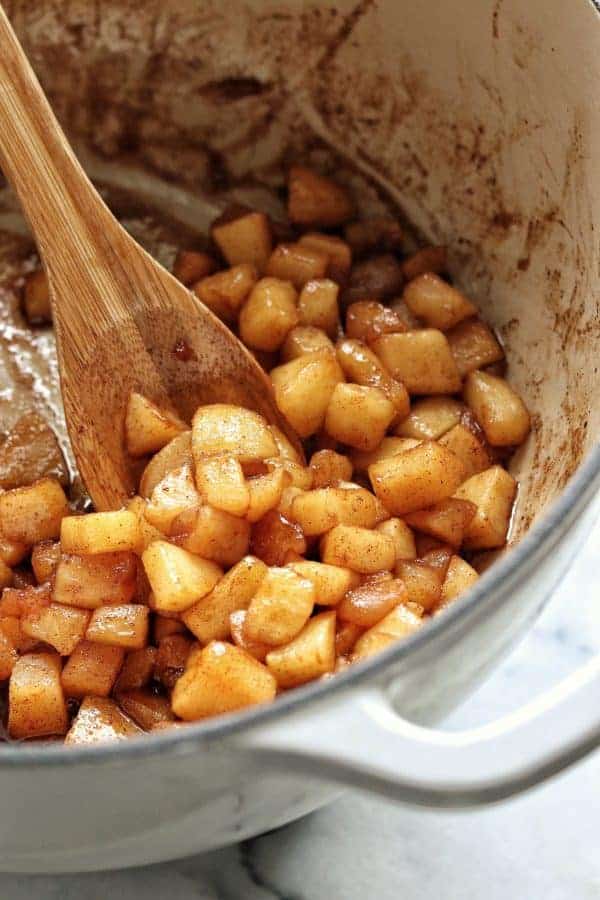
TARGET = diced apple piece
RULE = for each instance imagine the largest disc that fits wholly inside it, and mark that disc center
(178, 578)
(401, 535)
(436, 302)
(421, 360)
(222, 428)
(274, 537)
(329, 467)
(237, 622)
(146, 709)
(33, 513)
(459, 578)
(285, 447)
(297, 263)
(368, 603)
(175, 455)
(320, 510)
(103, 532)
(224, 292)
(368, 319)
(362, 366)
(417, 478)
(149, 428)
(92, 669)
(137, 669)
(447, 521)
(171, 659)
(120, 626)
(213, 534)
(221, 679)
(280, 607)
(390, 446)
(398, 624)
(493, 493)
(100, 721)
(473, 346)
(192, 265)
(148, 532)
(8, 656)
(60, 626)
(430, 418)
(358, 416)
(338, 251)
(359, 549)
(317, 201)
(268, 314)
(221, 482)
(305, 339)
(36, 298)
(423, 582)
(172, 496)
(303, 389)
(331, 583)
(90, 581)
(6, 575)
(36, 703)
(468, 448)
(209, 619)
(346, 636)
(318, 305)
(12, 552)
(298, 476)
(45, 557)
(498, 409)
(310, 655)
(244, 239)
(265, 493)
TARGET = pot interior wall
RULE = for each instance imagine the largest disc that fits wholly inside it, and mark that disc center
(473, 120)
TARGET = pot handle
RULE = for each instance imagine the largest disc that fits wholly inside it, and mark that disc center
(358, 739)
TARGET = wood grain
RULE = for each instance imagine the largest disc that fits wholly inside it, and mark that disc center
(122, 322)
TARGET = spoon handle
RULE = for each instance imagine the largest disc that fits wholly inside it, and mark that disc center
(35, 156)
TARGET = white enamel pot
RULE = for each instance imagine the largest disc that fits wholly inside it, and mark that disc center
(480, 119)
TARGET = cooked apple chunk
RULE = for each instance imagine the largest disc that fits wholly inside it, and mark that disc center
(172, 496)
(8, 656)
(390, 446)
(244, 239)
(329, 467)
(358, 416)
(297, 263)
(237, 622)
(447, 521)
(36, 703)
(473, 346)
(92, 668)
(423, 582)
(316, 201)
(498, 409)
(137, 669)
(318, 305)
(33, 513)
(368, 603)
(417, 478)
(60, 626)
(421, 360)
(401, 535)
(213, 534)
(222, 484)
(309, 655)
(303, 389)
(430, 418)
(459, 578)
(100, 721)
(45, 557)
(90, 581)
(362, 366)
(104, 532)
(149, 428)
(208, 619)
(224, 292)
(436, 302)
(337, 251)
(192, 265)
(320, 510)
(221, 428)
(175, 455)
(331, 583)
(471, 451)
(398, 624)
(274, 538)
(120, 626)
(178, 578)
(359, 549)
(221, 679)
(265, 493)
(304, 339)
(493, 493)
(280, 607)
(269, 313)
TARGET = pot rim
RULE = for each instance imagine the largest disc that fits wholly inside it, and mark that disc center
(491, 589)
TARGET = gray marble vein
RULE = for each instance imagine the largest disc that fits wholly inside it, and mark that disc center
(541, 845)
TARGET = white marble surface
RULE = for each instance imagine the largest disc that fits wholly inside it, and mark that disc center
(544, 844)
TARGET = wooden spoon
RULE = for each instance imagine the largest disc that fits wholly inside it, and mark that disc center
(122, 322)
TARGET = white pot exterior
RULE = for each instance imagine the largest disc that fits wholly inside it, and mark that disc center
(524, 196)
